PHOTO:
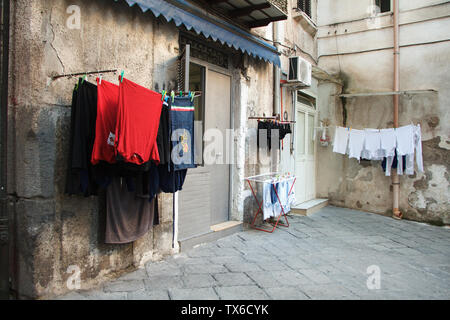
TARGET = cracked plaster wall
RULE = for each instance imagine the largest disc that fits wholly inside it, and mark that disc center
(55, 231)
(424, 60)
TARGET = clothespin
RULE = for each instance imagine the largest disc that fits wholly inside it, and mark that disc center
(84, 78)
(181, 93)
(192, 96)
(163, 95)
(173, 96)
(121, 76)
(101, 77)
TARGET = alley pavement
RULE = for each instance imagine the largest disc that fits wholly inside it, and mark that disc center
(333, 254)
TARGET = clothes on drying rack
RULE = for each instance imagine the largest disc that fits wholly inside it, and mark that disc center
(271, 202)
(387, 144)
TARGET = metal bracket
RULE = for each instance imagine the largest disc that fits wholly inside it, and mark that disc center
(4, 234)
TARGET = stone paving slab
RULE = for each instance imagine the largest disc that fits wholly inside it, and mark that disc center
(233, 279)
(163, 282)
(193, 294)
(322, 256)
(145, 295)
(199, 281)
(242, 293)
(283, 293)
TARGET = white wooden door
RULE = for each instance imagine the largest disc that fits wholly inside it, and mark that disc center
(218, 117)
(305, 169)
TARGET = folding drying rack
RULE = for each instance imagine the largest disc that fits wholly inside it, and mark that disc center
(268, 178)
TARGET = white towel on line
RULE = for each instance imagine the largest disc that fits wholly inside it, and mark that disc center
(372, 145)
(340, 140)
(355, 143)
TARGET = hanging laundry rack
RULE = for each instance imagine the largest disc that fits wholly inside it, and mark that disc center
(264, 178)
(70, 75)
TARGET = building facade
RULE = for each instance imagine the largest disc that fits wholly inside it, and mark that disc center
(54, 234)
(356, 43)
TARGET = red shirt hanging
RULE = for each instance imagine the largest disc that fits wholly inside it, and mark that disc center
(137, 123)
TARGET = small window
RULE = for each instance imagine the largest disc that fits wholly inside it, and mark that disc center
(306, 100)
(305, 6)
(384, 5)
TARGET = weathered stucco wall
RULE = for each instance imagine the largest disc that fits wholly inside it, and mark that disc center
(361, 54)
(256, 92)
(55, 231)
(257, 96)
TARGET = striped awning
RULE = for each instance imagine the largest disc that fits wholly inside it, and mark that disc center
(184, 13)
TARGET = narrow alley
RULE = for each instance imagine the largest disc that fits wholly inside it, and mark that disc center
(321, 257)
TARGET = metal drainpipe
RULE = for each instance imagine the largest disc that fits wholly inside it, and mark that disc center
(276, 73)
(395, 177)
(4, 224)
(276, 89)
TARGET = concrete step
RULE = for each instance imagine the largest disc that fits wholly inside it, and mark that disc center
(217, 232)
(309, 207)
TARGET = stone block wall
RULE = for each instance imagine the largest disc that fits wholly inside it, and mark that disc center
(52, 230)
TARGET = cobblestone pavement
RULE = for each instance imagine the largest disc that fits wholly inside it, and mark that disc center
(323, 256)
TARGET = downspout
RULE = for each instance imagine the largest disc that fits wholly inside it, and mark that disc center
(395, 177)
(276, 73)
(276, 158)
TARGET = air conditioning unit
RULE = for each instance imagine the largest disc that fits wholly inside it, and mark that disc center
(300, 71)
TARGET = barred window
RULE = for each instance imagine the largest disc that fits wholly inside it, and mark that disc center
(305, 6)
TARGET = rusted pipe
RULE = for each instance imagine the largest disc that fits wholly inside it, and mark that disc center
(395, 178)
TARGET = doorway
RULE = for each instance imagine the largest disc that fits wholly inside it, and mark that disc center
(305, 168)
(204, 200)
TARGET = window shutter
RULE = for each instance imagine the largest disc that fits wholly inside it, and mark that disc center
(305, 6)
(183, 69)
